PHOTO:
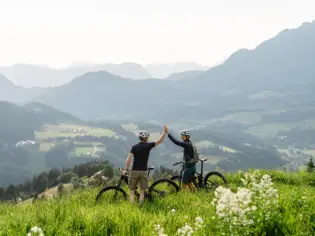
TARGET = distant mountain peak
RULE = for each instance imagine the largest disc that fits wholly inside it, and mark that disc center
(92, 79)
(287, 58)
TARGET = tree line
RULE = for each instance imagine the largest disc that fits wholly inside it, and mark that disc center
(48, 179)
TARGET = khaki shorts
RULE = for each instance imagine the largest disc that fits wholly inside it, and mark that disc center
(136, 177)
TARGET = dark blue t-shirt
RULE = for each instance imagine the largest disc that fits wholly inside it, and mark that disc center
(141, 152)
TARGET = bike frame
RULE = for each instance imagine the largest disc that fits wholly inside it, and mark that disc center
(198, 178)
(125, 178)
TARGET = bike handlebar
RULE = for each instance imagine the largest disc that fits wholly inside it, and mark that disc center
(177, 163)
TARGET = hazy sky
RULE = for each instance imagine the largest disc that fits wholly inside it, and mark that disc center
(59, 32)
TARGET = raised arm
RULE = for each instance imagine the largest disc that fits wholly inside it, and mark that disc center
(161, 138)
(178, 143)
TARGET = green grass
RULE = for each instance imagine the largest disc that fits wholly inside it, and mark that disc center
(78, 214)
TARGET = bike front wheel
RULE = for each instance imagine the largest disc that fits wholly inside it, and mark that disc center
(214, 179)
(162, 188)
(111, 194)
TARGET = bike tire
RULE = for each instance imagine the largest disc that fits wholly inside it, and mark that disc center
(217, 174)
(153, 188)
(111, 188)
(176, 179)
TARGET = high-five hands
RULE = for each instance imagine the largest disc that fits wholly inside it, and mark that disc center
(165, 129)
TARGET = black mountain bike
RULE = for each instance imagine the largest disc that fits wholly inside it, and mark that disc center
(159, 188)
(211, 181)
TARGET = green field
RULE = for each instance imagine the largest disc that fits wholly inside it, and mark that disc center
(88, 143)
(44, 147)
(65, 130)
(83, 150)
(130, 127)
(246, 118)
(206, 144)
(292, 212)
(271, 129)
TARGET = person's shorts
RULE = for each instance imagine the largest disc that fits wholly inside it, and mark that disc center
(188, 174)
(136, 177)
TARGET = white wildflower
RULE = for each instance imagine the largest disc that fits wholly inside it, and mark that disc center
(173, 210)
(159, 230)
(36, 231)
(186, 230)
(198, 222)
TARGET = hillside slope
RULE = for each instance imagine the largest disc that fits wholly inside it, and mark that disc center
(284, 202)
(19, 122)
(13, 93)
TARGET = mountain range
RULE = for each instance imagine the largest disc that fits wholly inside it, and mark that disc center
(40, 76)
(277, 74)
(27, 75)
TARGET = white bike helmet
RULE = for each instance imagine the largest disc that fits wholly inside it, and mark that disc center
(185, 132)
(144, 134)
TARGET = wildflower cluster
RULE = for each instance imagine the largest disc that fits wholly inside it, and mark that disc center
(36, 231)
(254, 202)
(234, 207)
(159, 230)
(186, 230)
(198, 223)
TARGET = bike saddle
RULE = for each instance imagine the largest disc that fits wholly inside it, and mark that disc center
(202, 160)
(151, 168)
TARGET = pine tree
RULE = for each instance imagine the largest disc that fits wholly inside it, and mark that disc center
(311, 165)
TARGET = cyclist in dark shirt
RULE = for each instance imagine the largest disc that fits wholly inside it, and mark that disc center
(189, 168)
(140, 153)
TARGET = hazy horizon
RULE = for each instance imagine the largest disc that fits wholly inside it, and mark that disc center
(60, 33)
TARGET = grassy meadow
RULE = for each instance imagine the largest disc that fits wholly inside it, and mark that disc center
(78, 214)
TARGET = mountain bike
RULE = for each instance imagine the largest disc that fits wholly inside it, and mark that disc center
(156, 189)
(211, 181)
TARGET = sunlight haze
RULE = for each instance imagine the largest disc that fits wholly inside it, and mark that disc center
(58, 33)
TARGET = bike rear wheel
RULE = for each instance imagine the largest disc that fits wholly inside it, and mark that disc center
(214, 179)
(176, 179)
(111, 194)
(162, 188)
